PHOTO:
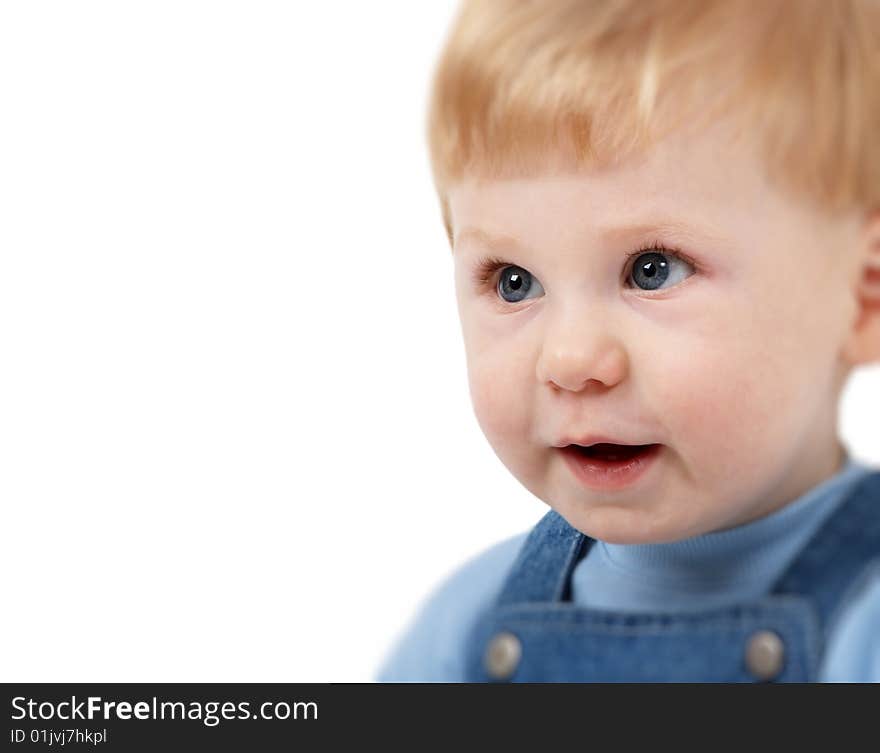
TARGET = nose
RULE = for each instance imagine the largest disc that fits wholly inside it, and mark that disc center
(578, 352)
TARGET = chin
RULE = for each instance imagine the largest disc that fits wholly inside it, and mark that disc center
(615, 536)
(616, 526)
(626, 538)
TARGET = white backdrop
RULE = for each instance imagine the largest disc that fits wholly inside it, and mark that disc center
(236, 442)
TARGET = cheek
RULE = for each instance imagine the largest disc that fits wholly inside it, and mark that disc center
(498, 378)
(499, 398)
(502, 395)
(734, 402)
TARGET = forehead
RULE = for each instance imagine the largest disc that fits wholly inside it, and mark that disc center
(700, 184)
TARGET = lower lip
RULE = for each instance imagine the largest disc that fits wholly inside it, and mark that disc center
(608, 475)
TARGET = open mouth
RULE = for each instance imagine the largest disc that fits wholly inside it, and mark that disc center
(610, 467)
(612, 453)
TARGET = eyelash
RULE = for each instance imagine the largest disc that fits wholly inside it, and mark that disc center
(487, 266)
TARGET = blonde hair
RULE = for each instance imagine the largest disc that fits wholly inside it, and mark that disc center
(597, 80)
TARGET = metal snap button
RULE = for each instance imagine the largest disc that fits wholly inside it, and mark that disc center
(502, 655)
(765, 654)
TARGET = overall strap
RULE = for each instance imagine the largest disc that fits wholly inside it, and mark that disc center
(543, 568)
(839, 551)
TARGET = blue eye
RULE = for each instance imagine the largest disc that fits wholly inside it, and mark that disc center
(650, 270)
(515, 283)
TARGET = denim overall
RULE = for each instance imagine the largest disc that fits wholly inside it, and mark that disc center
(547, 638)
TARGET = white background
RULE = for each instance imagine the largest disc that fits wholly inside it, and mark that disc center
(236, 442)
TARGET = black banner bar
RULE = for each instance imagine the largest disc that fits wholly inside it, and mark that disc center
(283, 716)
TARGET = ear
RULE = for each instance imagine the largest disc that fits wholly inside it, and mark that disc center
(863, 343)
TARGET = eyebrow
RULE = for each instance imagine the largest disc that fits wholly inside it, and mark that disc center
(609, 233)
(486, 238)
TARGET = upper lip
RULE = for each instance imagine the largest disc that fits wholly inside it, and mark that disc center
(589, 439)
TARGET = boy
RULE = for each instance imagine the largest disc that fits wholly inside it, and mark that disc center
(665, 227)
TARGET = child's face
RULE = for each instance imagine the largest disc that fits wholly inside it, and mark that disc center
(733, 363)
